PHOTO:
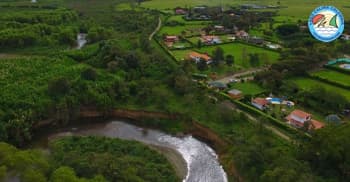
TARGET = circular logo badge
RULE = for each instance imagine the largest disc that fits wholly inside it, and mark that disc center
(326, 23)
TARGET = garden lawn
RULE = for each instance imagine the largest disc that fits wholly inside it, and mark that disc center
(307, 83)
(181, 54)
(241, 53)
(190, 29)
(333, 76)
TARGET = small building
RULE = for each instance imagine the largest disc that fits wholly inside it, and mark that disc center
(210, 39)
(256, 40)
(242, 35)
(231, 38)
(299, 118)
(333, 119)
(345, 37)
(171, 38)
(217, 85)
(273, 46)
(303, 27)
(235, 94)
(260, 103)
(195, 56)
(219, 28)
(180, 11)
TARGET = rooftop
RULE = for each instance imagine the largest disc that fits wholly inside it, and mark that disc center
(260, 101)
(235, 92)
(300, 113)
(199, 55)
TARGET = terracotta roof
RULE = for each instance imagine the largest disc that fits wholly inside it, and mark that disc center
(300, 114)
(198, 55)
(260, 101)
(317, 124)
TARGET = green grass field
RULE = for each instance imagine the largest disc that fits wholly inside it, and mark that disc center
(248, 88)
(307, 83)
(333, 76)
(237, 50)
(190, 29)
(295, 9)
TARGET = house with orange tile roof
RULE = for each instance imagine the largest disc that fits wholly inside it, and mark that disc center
(195, 56)
(260, 103)
(298, 119)
(315, 125)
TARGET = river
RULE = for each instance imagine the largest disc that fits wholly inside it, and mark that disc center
(195, 161)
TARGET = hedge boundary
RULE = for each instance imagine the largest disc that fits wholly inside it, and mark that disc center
(334, 68)
(275, 122)
(333, 83)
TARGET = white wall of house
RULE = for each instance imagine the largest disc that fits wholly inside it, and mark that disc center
(258, 106)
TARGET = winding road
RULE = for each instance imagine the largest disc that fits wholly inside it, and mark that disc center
(156, 30)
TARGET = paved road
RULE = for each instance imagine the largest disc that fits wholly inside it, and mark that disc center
(227, 79)
(156, 30)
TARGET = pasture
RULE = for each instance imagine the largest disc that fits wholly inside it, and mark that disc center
(241, 53)
(333, 76)
(188, 29)
(307, 83)
(238, 50)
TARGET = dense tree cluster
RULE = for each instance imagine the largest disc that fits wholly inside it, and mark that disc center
(37, 27)
(85, 159)
(116, 160)
(327, 152)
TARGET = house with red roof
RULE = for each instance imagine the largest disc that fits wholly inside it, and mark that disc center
(171, 38)
(298, 119)
(260, 103)
(195, 56)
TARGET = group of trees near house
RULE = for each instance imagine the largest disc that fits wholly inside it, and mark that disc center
(86, 159)
(327, 152)
(218, 58)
